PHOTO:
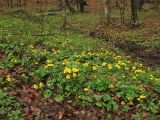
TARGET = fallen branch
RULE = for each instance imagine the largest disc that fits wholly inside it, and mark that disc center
(46, 13)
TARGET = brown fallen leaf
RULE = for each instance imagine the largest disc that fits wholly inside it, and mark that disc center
(60, 115)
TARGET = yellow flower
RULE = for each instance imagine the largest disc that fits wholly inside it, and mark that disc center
(131, 103)
(107, 52)
(139, 71)
(142, 97)
(140, 65)
(86, 89)
(134, 67)
(86, 64)
(139, 99)
(75, 70)
(109, 66)
(68, 77)
(74, 75)
(65, 62)
(41, 85)
(119, 62)
(119, 56)
(151, 77)
(48, 61)
(128, 98)
(31, 46)
(97, 55)
(14, 60)
(67, 70)
(104, 64)
(126, 68)
(8, 78)
(124, 64)
(35, 86)
(118, 66)
(50, 65)
(122, 103)
(128, 61)
(94, 68)
(111, 86)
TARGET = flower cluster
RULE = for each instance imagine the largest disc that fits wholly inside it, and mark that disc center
(49, 64)
(38, 86)
(68, 72)
(8, 78)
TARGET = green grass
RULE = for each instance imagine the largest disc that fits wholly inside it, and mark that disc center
(76, 68)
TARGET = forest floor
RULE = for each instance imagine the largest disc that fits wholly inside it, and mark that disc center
(46, 74)
(142, 42)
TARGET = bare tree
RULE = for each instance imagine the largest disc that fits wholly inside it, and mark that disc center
(60, 4)
(81, 2)
(64, 16)
(141, 3)
(134, 15)
(122, 6)
(9, 3)
(107, 11)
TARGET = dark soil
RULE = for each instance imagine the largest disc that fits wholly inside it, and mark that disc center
(151, 58)
(135, 50)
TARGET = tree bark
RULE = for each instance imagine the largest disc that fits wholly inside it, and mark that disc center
(134, 16)
(64, 22)
(107, 11)
(72, 10)
(81, 5)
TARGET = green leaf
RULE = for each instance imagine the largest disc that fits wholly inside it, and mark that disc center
(42, 72)
(1, 79)
(97, 97)
(47, 93)
(98, 104)
(50, 84)
(59, 98)
(69, 101)
(106, 98)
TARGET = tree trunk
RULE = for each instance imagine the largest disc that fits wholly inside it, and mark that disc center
(61, 5)
(64, 22)
(141, 2)
(81, 5)
(107, 11)
(122, 6)
(72, 10)
(9, 3)
(134, 16)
